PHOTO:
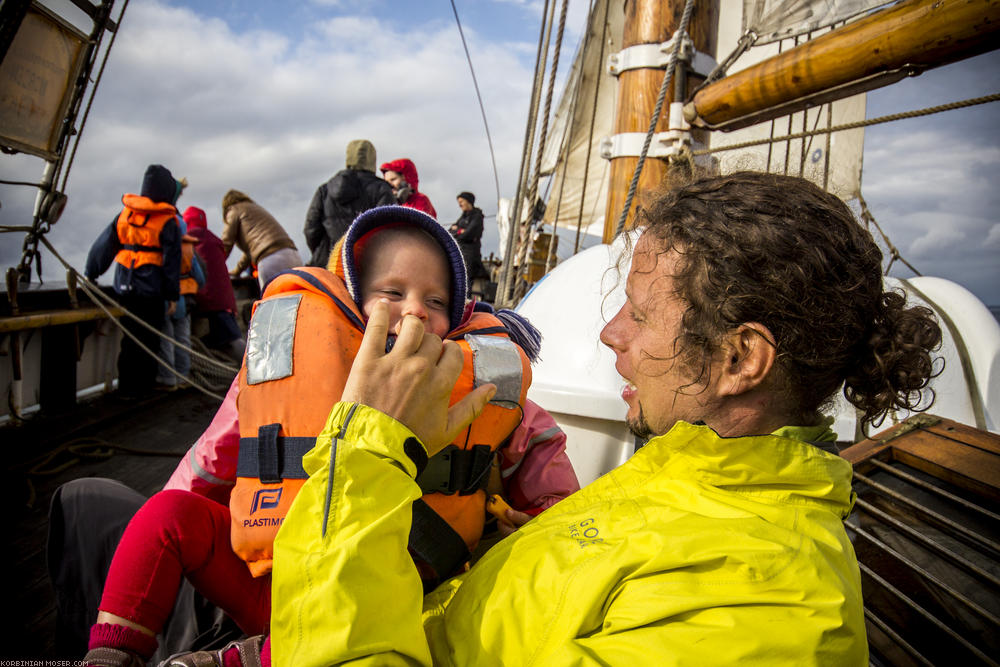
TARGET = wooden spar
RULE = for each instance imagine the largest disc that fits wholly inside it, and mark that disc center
(49, 318)
(906, 39)
(648, 22)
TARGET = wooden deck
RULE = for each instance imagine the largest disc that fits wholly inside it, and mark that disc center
(164, 426)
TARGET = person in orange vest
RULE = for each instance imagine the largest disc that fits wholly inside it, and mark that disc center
(178, 324)
(144, 243)
(180, 533)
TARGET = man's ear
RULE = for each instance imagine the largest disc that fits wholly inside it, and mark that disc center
(748, 357)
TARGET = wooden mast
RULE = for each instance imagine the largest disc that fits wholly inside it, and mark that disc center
(648, 22)
(905, 39)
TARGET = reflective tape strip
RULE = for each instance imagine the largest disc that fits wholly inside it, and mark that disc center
(271, 339)
(495, 360)
(547, 434)
(204, 474)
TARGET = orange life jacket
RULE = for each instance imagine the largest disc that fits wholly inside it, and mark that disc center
(302, 340)
(188, 284)
(139, 226)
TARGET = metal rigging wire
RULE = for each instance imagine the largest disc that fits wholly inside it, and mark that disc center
(482, 108)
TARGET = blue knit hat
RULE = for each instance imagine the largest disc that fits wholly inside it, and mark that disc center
(393, 216)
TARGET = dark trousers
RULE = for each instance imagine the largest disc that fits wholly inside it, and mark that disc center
(86, 520)
(136, 368)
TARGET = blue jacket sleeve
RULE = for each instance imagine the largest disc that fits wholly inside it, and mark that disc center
(197, 270)
(103, 252)
(170, 241)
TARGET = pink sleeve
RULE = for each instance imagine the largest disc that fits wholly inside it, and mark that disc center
(534, 468)
(209, 467)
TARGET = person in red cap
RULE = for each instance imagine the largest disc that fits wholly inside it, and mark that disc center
(402, 176)
(215, 300)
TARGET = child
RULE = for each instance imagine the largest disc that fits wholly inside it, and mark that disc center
(392, 254)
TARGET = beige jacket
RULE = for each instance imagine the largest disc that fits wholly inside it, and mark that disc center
(253, 230)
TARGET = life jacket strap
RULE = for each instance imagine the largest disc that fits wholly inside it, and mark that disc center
(135, 247)
(271, 457)
(454, 470)
(435, 542)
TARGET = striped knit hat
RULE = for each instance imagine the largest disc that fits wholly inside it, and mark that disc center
(399, 216)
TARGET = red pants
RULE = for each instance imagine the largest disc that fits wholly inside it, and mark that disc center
(182, 534)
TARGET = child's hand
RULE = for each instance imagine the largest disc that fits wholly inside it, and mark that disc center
(508, 519)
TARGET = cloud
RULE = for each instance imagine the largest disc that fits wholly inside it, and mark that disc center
(993, 237)
(269, 115)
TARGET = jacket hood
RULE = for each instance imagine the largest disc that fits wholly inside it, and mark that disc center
(360, 155)
(233, 197)
(158, 185)
(343, 259)
(405, 167)
(195, 218)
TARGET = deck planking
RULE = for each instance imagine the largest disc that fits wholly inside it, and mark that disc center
(165, 424)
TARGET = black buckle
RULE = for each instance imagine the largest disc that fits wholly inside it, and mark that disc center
(454, 470)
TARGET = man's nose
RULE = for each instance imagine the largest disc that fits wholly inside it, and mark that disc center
(611, 334)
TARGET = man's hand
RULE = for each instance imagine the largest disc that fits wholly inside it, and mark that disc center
(413, 383)
(171, 307)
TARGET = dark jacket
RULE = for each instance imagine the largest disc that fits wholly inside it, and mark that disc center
(468, 231)
(335, 205)
(148, 280)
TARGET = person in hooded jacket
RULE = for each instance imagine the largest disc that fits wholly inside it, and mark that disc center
(266, 245)
(468, 231)
(350, 192)
(175, 369)
(402, 176)
(144, 242)
(215, 300)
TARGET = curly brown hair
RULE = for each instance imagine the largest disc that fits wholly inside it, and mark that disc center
(778, 250)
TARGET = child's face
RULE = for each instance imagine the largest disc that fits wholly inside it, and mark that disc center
(412, 275)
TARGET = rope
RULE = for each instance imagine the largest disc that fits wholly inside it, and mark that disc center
(894, 253)
(93, 92)
(96, 296)
(543, 136)
(590, 135)
(859, 124)
(671, 66)
(507, 269)
(482, 108)
(80, 449)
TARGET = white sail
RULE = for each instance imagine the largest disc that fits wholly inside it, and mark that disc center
(832, 161)
(772, 20)
(587, 102)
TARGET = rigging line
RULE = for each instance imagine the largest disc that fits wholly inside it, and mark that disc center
(95, 293)
(861, 123)
(29, 183)
(668, 75)
(590, 135)
(482, 108)
(135, 339)
(894, 253)
(529, 138)
(543, 137)
(93, 92)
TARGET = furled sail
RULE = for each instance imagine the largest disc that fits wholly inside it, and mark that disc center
(583, 118)
(773, 20)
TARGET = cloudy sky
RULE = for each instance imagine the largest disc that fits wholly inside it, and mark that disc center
(264, 96)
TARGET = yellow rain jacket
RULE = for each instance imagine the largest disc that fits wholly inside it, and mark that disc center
(700, 550)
